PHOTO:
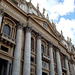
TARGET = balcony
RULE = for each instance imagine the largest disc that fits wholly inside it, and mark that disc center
(7, 38)
(45, 57)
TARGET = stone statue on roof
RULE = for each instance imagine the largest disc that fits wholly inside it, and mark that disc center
(43, 11)
(37, 6)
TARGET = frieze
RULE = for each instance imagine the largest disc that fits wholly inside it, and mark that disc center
(12, 11)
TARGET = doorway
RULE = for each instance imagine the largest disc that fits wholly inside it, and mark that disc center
(3, 67)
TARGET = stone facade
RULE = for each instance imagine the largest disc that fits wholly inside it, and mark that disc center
(30, 44)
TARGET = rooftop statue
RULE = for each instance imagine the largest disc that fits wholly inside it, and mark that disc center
(44, 11)
(37, 6)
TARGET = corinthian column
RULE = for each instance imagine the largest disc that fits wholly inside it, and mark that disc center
(17, 52)
(38, 57)
(1, 16)
(52, 60)
(27, 52)
(59, 69)
(66, 65)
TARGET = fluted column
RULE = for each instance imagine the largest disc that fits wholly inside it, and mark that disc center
(17, 52)
(1, 16)
(38, 56)
(52, 72)
(59, 69)
(66, 65)
(27, 52)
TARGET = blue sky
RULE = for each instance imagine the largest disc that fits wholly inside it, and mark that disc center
(62, 12)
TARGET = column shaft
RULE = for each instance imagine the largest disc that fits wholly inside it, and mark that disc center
(67, 66)
(8, 65)
(52, 61)
(27, 52)
(59, 69)
(38, 57)
(1, 16)
(17, 52)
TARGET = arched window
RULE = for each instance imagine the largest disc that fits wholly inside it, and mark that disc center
(6, 29)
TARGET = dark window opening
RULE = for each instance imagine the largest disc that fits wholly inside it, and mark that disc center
(3, 67)
(43, 73)
(32, 44)
(4, 48)
(6, 29)
(14, 2)
(42, 49)
(32, 59)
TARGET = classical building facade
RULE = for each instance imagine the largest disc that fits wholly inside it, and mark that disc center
(30, 44)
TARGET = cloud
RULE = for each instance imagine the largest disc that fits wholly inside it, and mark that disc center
(64, 8)
(55, 8)
(68, 28)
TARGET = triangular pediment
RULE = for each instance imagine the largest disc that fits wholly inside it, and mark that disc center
(45, 24)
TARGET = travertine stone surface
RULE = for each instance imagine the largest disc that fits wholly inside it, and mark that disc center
(59, 69)
(67, 66)
(1, 16)
(27, 52)
(38, 57)
(52, 60)
(17, 53)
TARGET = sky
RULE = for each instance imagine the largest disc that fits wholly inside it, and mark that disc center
(62, 12)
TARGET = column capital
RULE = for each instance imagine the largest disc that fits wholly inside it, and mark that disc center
(57, 49)
(19, 25)
(66, 57)
(1, 11)
(72, 61)
(39, 36)
(28, 28)
(50, 44)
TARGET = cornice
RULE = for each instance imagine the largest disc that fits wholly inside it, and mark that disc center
(44, 19)
(43, 27)
(16, 7)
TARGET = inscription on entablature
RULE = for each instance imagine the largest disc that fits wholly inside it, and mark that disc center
(12, 11)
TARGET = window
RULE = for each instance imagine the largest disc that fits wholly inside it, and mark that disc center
(45, 24)
(32, 59)
(6, 29)
(32, 44)
(43, 73)
(42, 49)
(4, 48)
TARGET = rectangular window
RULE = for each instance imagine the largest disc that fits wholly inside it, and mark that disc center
(4, 48)
(32, 60)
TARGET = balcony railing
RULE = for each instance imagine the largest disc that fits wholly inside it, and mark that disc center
(45, 56)
(7, 38)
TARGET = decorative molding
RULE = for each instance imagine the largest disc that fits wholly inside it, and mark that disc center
(28, 28)
(57, 49)
(1, 11)
(19, 25)
(50, 44)
(39, 36)
(12, 11)
(66, 57)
